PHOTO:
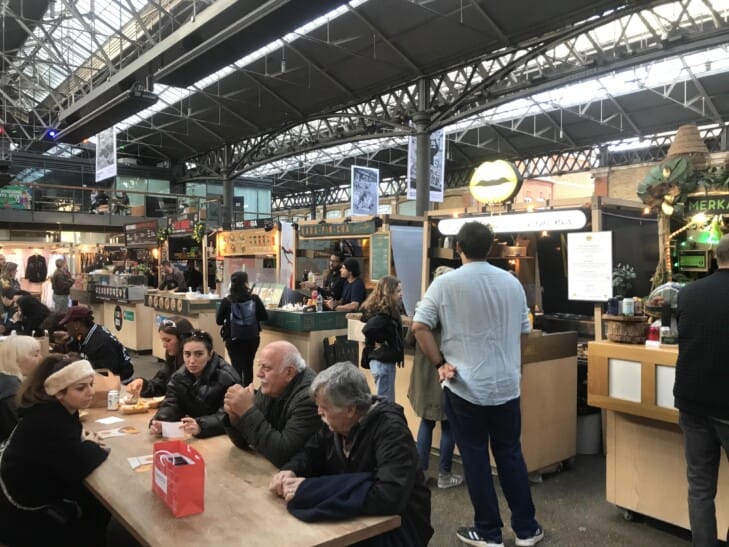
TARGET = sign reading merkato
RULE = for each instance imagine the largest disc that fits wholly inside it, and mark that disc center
(716, 204)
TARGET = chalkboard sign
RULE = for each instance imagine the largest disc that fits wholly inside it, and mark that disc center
(141, 234)
(380, 256)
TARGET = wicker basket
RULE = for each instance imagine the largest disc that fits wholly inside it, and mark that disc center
(627, 329)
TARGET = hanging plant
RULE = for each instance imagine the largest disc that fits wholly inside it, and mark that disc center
(163, 234)
(198, 232)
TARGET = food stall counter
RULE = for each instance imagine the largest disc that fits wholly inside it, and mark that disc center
(306, 330)
(645, 464)
(196, 308)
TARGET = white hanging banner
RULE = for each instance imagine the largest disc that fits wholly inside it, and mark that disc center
(365, 186)
(286, 255)
(105, 154)
(436, 153)
(572, 219)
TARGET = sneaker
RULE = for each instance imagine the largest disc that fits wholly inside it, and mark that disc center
(449, 480)
(471, 537)
(532, 540)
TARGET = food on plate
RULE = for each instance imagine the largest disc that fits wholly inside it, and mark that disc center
(137, 408)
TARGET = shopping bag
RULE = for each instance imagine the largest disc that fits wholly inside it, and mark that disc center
(104, 381)
(178, 477)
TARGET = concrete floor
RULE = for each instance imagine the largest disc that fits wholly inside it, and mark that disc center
(570, 506)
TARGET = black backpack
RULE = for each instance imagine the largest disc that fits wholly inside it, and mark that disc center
(243, 322)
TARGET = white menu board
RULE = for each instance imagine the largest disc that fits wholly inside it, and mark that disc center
(590, 266)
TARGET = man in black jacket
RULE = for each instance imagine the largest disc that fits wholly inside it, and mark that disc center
(96, 343)
(702, 379)
(279, 418)
(367, 437)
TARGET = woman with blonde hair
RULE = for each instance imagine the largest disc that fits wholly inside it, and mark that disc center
(383, 350)
(7, 275)
(19, 356)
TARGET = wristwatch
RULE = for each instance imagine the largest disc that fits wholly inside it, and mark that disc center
(441, 362)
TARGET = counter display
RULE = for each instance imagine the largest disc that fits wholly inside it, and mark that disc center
(645, 466)
(548, 396)
(199, 310)
(305, 330)
(130, 322)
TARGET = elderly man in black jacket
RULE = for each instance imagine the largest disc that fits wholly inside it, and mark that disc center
(364, 463)
(280, 417)
(96, 343)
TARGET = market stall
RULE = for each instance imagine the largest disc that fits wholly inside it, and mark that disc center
(124, 312)
(646, 467)
(197, 308)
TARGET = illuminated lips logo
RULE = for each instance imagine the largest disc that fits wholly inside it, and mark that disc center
(495, 182)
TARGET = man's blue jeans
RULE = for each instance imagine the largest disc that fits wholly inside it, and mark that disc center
(703, 440)
(425, 441)
(474, 428)
(384, 376)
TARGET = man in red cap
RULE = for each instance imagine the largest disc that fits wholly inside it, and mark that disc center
(96, 343)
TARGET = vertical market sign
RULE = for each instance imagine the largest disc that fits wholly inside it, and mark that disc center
(105, 154)
(436, 153)
(365, 189)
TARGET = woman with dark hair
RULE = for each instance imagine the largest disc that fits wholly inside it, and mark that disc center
(43, 501)
(195, 393)
(30, 315)
(172, 332)
(241, 309)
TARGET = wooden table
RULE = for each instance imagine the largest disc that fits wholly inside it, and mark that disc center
(239, 509)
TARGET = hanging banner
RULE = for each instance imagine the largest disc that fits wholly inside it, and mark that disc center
(105, 154)
(437, 165)
(286, 255)
(365, 186)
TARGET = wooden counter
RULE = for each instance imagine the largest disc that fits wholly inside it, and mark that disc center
(199, 311)
(548, 396)
(306, 331)
(130, 322)
(645, 466)
(239, 509)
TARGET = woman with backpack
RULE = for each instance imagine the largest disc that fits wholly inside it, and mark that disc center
(384, 347)
(240, 314)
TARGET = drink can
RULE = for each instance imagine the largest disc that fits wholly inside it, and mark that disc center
(314, 294)
(638, 306)
(112, 400)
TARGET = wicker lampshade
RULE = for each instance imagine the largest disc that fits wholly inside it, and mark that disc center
(688, 142)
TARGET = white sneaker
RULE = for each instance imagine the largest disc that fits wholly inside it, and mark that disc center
(470, 536)
(533, 540)
(449, 480)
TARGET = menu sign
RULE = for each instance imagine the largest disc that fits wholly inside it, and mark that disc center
(379, 256)
(246, 242)
(141, 233)
(590, 266)
(183, 224)
(339, 229)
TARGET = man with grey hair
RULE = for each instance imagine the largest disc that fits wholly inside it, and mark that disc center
(700, 390)
(363, 463)
(280, 417)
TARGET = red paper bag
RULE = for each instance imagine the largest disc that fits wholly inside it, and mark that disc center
(178, 477)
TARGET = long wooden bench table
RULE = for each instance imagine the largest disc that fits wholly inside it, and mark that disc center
(239, 509)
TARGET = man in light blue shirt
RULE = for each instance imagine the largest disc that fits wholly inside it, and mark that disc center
(484, 319)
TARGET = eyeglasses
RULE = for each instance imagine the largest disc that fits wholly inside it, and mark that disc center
(169, 323)
(200, 335)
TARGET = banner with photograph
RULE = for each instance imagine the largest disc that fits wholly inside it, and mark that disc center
(16, 196)
(286, 256)
(365, 190)
(105, 154)
(437, 165)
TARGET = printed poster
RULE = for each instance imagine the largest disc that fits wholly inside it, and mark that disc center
(365, 186)
(437, 165)
(105, 154)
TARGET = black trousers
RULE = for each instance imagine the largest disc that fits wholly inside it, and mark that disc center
(242, 353)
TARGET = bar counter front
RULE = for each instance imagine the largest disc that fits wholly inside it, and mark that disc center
(305, 330)
(645, 466)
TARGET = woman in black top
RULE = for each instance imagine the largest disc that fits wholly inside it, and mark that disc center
(32, 312)
(46, 461)
(241, 349)
(172, 332)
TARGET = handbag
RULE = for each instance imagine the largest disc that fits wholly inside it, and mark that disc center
(64, 511)
(104, 382)
(178, 477)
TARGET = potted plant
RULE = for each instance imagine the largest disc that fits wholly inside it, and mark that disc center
(623, 276)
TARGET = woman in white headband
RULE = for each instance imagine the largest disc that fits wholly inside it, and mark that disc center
(45, 461)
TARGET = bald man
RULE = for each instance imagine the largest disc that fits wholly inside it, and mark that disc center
(280, 417)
